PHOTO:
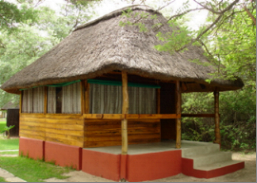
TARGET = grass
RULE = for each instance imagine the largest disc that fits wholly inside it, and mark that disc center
(2, 179)
(9, 144)
(32, 170)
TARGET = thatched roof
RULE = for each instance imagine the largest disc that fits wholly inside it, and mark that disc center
(103, 45)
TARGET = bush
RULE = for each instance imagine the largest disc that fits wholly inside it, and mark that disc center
(237, 118)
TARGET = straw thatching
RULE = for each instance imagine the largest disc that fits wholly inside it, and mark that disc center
(103, 45)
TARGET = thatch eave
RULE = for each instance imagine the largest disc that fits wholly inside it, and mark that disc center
(218, 84)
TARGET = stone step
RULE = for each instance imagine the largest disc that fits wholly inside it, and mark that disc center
(217, 165)
(213, 158)
(200, 150)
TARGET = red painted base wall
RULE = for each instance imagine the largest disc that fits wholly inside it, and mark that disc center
(63, 155)
(133, 168)
(32, 148)
(101, 164)
(151, 166)
(140, 167)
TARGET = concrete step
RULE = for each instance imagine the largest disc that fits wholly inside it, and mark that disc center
(200, 150)
(213, 158)
(217, 165)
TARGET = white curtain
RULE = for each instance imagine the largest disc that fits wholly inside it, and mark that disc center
(107, 99)
(142, 100)
(33, 100)
(71, 98)
(51, 100)
(38, 100)
(27, 101)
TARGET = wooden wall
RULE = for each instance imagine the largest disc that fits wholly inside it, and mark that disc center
(62, 128)
(100, 133)
(69, 129)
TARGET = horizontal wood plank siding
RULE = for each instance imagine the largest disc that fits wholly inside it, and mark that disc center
(99, 132)
(61, 128)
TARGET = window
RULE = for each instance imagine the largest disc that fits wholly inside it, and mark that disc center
(33, 100)
(107, 99)
(58, 99)
(65, 99)
(142, 100)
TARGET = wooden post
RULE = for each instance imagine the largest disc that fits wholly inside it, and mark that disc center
(217, 117)
(82, 96)
(87, 97)
(178, 112)
(125, 108)
(158, 97)
(21, 95)
(45, 99)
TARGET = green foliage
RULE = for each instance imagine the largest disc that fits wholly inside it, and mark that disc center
(6, 130)
(237, 116)
(198, 129)
(234, 46)
(32, 32)
(11, 15)
(136, 19)
(230, 45)
(38, 170)
(175, 40)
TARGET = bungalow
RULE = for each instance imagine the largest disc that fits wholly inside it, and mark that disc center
(106, 102)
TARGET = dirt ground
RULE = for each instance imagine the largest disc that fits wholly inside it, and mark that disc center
(248, 174)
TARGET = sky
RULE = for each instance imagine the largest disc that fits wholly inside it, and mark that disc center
(196, 18)
(106, 6)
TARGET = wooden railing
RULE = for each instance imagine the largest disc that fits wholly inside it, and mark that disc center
(131, 116)
(198, 115)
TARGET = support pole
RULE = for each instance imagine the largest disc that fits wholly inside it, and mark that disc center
(45, 99)
(178, 112)
(87, 97)
(217, 117)
(125, 108)
(82, 96)
(21, 96)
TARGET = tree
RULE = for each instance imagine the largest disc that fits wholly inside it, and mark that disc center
(30, 30)
(228, 38)
(11, 15)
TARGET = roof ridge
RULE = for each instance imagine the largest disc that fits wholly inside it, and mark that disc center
(116, 13)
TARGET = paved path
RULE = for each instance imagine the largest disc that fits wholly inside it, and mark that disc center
(9, 177)
(9, 150)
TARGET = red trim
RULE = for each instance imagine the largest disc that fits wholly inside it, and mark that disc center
(187, 169)
(32, 148)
